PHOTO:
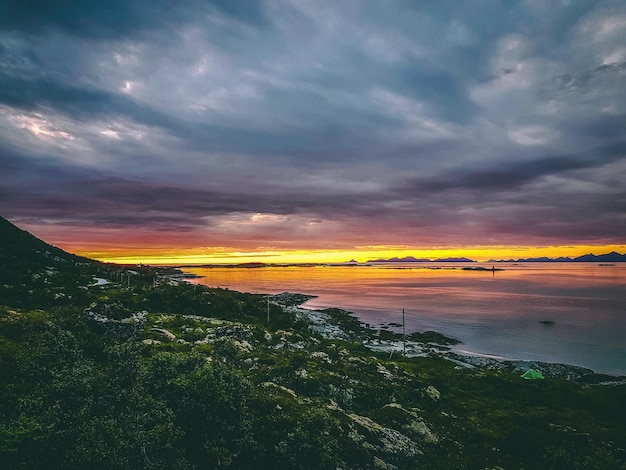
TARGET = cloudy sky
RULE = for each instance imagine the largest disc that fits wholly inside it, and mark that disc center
(241, 129)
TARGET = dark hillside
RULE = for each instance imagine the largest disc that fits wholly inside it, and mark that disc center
(20, 250)
(34, 274)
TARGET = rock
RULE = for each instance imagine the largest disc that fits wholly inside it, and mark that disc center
(169, 335)
(419, 427)
(389, 440)
(279, 387)
(289, 299)
(432, 393)
(322, 356)
(150, 342)
(379, 463)
(383, 371)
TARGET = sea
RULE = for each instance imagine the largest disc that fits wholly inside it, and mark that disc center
(569, 313)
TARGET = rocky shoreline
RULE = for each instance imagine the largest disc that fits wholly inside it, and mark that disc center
(335, 323)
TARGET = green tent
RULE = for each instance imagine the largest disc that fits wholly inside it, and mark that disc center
(532, 374)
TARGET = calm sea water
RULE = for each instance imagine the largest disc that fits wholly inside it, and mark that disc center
(492, 313)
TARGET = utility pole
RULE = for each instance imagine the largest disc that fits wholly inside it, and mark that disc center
(403, 335)
(268, 309)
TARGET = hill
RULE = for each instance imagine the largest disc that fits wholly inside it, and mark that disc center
(22, 254)
(35, 274)
(406, 259)
(411, 259)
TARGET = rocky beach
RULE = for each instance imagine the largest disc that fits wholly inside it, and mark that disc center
(341, 324)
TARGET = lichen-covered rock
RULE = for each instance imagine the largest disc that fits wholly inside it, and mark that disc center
(384, 439)
(322, 356)
(168, 334)
(419, 427)
(380, 463)
(383, 371)
(115, 319)
(151, 342)
(432, 393)
(275, 386)
(416, 426)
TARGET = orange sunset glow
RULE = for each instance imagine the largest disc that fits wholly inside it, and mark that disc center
(481, 254)
(167, 248)
(233, 255)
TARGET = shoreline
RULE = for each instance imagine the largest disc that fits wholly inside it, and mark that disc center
(541, 313)
(334, 323)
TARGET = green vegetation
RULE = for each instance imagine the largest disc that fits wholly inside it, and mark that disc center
(164, 374)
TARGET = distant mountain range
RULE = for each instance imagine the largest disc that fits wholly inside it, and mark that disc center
(613, 257)
(411, 259)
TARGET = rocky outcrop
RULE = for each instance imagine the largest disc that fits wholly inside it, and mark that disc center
(115, 319)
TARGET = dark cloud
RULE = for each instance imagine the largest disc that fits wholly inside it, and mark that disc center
(105, 18)
(249, 11)
(117, 18)
(608, 128)
(572, 83)
(445, 92)
(67, 192)
(517, 173)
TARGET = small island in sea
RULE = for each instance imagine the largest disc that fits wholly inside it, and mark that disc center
(411, 259)
(126, 366)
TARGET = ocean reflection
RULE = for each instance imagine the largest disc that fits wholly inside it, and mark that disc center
(495, 313)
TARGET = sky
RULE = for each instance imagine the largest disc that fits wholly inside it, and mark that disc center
(312, 130)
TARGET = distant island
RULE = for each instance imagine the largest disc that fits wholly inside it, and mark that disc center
(613, 257)
(411, 259)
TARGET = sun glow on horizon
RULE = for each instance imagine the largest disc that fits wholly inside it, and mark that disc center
(362, 254)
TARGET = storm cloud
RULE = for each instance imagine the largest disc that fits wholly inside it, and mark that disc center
(315, 124)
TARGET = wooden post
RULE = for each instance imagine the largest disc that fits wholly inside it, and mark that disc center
(403, 336)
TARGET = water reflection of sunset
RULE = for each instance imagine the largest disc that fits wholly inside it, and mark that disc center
(492, 313)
